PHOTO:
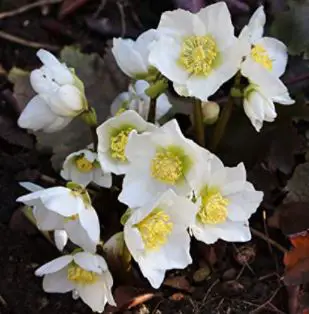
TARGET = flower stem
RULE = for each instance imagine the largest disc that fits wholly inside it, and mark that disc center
(152, 110)
(221, 125)
(94, 135)
(198, 123)
(90, 118)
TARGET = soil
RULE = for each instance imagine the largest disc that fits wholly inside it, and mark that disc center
(231, 288)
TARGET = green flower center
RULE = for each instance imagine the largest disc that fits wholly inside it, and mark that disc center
(199, 55)
(261, 56)
(155, 229)
(118, 143)
(213, 209)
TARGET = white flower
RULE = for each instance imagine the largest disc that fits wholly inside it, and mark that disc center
(197, 52)
(160, 160)
(265, 54)
(226, 201)
(132, 56)
(113, 137)
(83, 167)
(69, 209)
(157, 238)
(60, 96)
(137, 100)
(83, 273)
(259, 98)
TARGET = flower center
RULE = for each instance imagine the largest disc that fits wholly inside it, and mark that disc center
(80, 275)
(260, 55)
(118, 144)
(155, 229)
(167, 167)
(83, 164)
(213, 209)
(199, 55)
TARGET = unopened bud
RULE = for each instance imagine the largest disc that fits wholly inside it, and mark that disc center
(210, 111)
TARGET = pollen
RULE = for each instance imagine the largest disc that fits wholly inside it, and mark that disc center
(213, 209)
(118, 144)
(260, 55)
(199, 55)
(155, 229)
(83, 164)
(81, 276)
(71, 218)
(167, 167)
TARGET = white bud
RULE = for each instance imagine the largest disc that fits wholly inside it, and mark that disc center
(61, 239)
(210, 111)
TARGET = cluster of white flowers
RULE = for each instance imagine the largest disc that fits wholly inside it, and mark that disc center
(174, 188)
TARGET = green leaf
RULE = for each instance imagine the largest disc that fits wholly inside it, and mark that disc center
(292, 28)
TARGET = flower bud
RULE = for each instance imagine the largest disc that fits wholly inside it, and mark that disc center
(210, 111)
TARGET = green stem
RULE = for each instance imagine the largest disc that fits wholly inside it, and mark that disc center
(90, 118)
(221, 125)
(152, 111)
(198, 123)
(94, 135)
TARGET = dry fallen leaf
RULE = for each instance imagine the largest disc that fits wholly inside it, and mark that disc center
(297, 261)
(178, 282)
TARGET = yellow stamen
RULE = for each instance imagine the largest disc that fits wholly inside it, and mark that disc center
(80, 275)
(199, 55)
(83, 164)
(213, 209)
(155, 229)
(260, 55)
(120, 111)
(167, 167)
(118, 144)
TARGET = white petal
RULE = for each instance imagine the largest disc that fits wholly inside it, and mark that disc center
(57, 282)
(79, 236)
(30, 186)
(67, 101)
(133, 238)
(143, 44)
(254, 109)
(256, 25)
(46, 220)
(128, 59)
(164, 56)
(42, 82)
(214, 15)
(228, 231)
(181, 89)
(243, 204)
(80, 177)
(65, 203)
(108, 282)
(90, 222)
(283, 99)
(60, 72)
(235, 179)
(102, 179)
(177, 23)
(93, 295)
(61, 239)
(54, 266)
(58, 124)
(140, 87)
(37, 115)
(162, 106)
(277, 52)
(88, 261)
(155, 276)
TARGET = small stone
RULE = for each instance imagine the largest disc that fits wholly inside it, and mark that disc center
(143, 309)
(245, 254)
(201, 274)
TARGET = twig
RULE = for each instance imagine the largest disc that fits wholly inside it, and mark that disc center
(267, 302)
(27, 7)
(209, 290)
(123, 19)
(269, 240)
(152, 111)
(2, 301)
(27, 43)
(198, 123)
(100, 9)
